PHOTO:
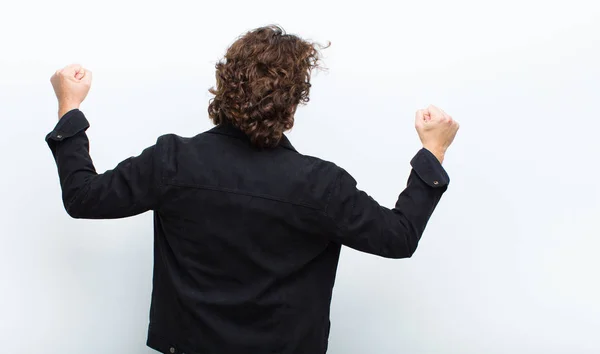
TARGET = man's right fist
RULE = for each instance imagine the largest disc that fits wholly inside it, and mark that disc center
(436, 130)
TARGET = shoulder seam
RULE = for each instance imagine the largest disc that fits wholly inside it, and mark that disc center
(333, 186)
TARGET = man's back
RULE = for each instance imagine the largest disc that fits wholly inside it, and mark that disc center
(243, 262)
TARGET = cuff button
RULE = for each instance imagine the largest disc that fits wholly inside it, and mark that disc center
(436, 182)
(59, 136)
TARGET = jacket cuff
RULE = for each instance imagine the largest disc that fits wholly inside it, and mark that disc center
(429, 169)
(72, 123)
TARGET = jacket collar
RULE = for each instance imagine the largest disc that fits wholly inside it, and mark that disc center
(229, 129)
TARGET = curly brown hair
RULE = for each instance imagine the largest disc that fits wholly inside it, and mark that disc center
(261, 80)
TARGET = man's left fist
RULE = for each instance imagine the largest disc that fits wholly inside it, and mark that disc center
(71, 85)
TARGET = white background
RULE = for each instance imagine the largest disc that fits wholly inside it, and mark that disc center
(508, 264)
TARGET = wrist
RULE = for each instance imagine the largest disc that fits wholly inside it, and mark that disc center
(438, 153)
(65, 107)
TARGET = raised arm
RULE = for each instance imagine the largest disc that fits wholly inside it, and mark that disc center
(131, 188)
(361, 223)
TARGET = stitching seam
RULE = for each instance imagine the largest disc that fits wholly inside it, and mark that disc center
(233, 191)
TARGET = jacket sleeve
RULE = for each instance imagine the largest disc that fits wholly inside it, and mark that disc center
(361, 223)
(131, 188)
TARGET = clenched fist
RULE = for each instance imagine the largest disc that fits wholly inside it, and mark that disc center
(71, 85)
(436, 130)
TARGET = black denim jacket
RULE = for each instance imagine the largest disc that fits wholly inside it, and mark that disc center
(246, 241)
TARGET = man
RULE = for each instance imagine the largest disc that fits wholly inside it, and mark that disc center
(247, 230)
